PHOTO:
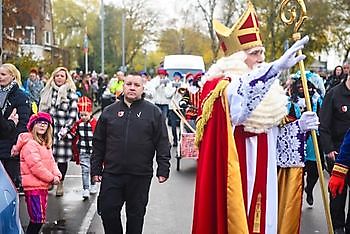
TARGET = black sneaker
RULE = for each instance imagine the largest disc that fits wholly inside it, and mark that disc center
(339, 231)
(20, 191)
(309, 199)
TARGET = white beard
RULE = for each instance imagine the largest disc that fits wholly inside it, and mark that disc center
(270, 111)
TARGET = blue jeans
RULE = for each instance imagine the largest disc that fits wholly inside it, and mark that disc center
(174, 123)
(164, 108)
(85, 170)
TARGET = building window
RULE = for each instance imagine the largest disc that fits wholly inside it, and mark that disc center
(47, 38)
(29, 35)
(11, 32)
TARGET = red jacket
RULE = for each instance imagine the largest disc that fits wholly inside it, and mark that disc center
(75, 140)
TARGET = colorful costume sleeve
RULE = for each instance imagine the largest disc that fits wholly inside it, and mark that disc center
(245, 93)
(342, 162)
(290, 146)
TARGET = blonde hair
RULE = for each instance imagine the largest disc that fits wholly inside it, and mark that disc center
(69, 80)
(44, 139)
(12, 69)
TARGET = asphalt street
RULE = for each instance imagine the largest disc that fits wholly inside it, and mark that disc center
(169, 211)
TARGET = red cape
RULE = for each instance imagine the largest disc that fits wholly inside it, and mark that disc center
(215, 139)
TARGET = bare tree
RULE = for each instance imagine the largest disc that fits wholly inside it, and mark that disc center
(141, 22)
(341, 15)
(226, 10)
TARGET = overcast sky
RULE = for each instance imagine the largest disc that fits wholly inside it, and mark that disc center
(168, 8)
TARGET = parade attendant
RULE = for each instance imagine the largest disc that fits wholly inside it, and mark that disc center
(59, 99)
(194, 91)
(243, 137)
(82, 133)
(342, 164)
(38, 167)
(128, 135)
(339, 179)
(296, 107)
(163, 91)
(174, 120)
(335, 121)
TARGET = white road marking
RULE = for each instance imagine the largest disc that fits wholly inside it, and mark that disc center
(85, 224)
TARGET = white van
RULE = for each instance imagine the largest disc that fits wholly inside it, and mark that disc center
(184, 64)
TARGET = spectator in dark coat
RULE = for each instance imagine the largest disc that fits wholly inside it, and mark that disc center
(128, 134)
(335, 78)
(13, 102)
(334, 122)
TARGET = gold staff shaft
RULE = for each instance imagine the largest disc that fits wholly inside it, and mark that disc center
(316, 149)
(297, 36)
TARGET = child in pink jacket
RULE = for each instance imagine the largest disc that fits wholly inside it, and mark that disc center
(38, 168)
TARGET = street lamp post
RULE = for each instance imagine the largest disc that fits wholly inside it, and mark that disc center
(86, 47)
(145, 65)
(102, 16)
(1, 49)
(123, 42)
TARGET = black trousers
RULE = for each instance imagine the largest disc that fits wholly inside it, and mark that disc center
(311, 175)
(337, 205)
(114, 192)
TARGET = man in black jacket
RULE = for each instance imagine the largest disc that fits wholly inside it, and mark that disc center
(334, 123)
(127, 136)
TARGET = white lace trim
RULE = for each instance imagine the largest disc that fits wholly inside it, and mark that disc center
(271, 109)
(288, 147)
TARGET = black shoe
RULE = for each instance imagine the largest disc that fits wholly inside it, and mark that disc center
(309, 198)
(339, 231)
(20, 191)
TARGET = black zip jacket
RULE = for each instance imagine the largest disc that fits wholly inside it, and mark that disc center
(126, 139)
(335, 117)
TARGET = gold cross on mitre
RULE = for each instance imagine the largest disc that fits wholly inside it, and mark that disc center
(243, 35)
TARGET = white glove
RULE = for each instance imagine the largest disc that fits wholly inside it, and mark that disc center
(308, 121)
(289, 58)
(62, 133)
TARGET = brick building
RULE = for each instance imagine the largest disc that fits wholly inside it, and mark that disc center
(28, 28)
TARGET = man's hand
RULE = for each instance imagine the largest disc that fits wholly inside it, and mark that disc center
(14, 116)
(332, 155)
(162, 179)
(97, 178)
(289, 58)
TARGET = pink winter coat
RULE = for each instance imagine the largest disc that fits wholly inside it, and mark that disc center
(38, 168)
